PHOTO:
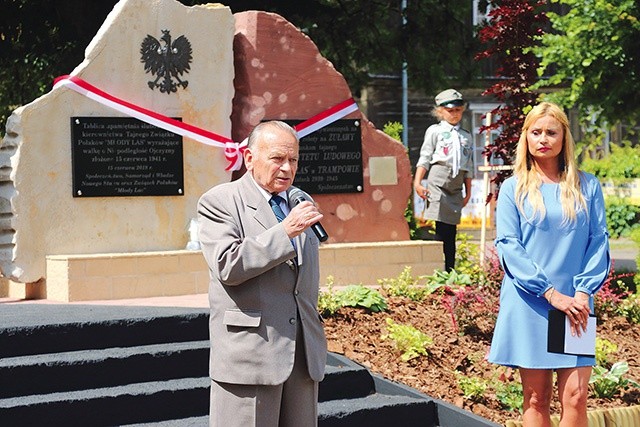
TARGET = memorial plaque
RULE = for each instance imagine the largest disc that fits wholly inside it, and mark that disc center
(331, 159)
(123, 156)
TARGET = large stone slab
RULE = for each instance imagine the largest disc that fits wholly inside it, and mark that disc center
(39, 215)
(280, 74)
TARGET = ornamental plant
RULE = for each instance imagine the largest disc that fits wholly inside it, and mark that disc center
(635, 236)
(473, 388)
(510, 396)
(362, 297)
(622, 217)
(409, 341)
(630, 307)
(472, 309)
(511, 31)
(405, 285)
(604, 348)
(608, 383)
(467, 258)
(330, 302)
(452, 278)
(608, 299)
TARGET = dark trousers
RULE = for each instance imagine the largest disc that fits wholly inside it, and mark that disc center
(446, 233)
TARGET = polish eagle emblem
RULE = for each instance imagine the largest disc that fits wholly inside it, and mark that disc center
(166, 60)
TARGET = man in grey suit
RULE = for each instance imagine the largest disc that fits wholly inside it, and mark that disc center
(268, 348)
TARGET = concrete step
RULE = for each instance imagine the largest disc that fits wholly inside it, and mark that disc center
(344, 379)
(69, 371)
(129, 404)
(27, 329)
(446, 414)
(377, 410)
(75, 365)
(185, 422)
(79, 370)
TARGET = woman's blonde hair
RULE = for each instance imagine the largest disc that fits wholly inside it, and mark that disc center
(528, 180)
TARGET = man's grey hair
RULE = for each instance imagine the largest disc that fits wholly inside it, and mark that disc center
(263, 127)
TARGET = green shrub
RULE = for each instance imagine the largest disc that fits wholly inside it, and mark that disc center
(363, 297)
(509, 394)
(608, 383)
(405, 285)
(468, 258)
(410, 341)
(448, 278)
(603, 349)
(394, 130)
(622, 217)
(635, 236)
(473, 388)
(329, 302)
(623, 162)
(630, 307)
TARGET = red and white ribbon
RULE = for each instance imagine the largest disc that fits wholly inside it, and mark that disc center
(232, 150)
(326, 117)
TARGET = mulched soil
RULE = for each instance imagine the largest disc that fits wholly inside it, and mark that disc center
(356, 333)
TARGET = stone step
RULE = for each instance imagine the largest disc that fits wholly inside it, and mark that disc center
(27, 329)
(184, 422)
(344, 379)
(375, 410)
(104, 365)
(87, 369)
(129, 404)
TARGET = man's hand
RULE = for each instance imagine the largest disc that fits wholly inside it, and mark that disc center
(301, 217)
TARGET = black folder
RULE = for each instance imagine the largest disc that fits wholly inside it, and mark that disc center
(559, 339)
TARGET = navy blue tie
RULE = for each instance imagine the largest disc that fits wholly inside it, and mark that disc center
(275, 206)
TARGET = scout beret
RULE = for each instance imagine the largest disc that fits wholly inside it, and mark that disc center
(449, 98)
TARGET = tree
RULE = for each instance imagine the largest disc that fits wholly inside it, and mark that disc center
(41, 39)
(594, 59)
(509, 34)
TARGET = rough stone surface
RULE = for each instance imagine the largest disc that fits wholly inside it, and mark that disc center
(280, 74)
(36, 169)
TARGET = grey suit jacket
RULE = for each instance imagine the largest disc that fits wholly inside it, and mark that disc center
(256, 294)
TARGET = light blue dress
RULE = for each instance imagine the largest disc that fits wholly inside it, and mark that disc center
(536, 255)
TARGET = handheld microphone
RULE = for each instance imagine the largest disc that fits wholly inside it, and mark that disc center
(297, 196)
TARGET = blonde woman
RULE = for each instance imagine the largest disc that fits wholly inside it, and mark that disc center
(551, 236)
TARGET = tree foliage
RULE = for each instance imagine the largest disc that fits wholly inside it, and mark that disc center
(593, 56)
(508, 36)
(41, 39)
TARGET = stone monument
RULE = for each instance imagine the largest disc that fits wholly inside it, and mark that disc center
(90, 195)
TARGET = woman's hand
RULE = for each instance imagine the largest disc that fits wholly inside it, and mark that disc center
(576, 308)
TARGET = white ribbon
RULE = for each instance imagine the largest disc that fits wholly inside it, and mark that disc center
(456, 155)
